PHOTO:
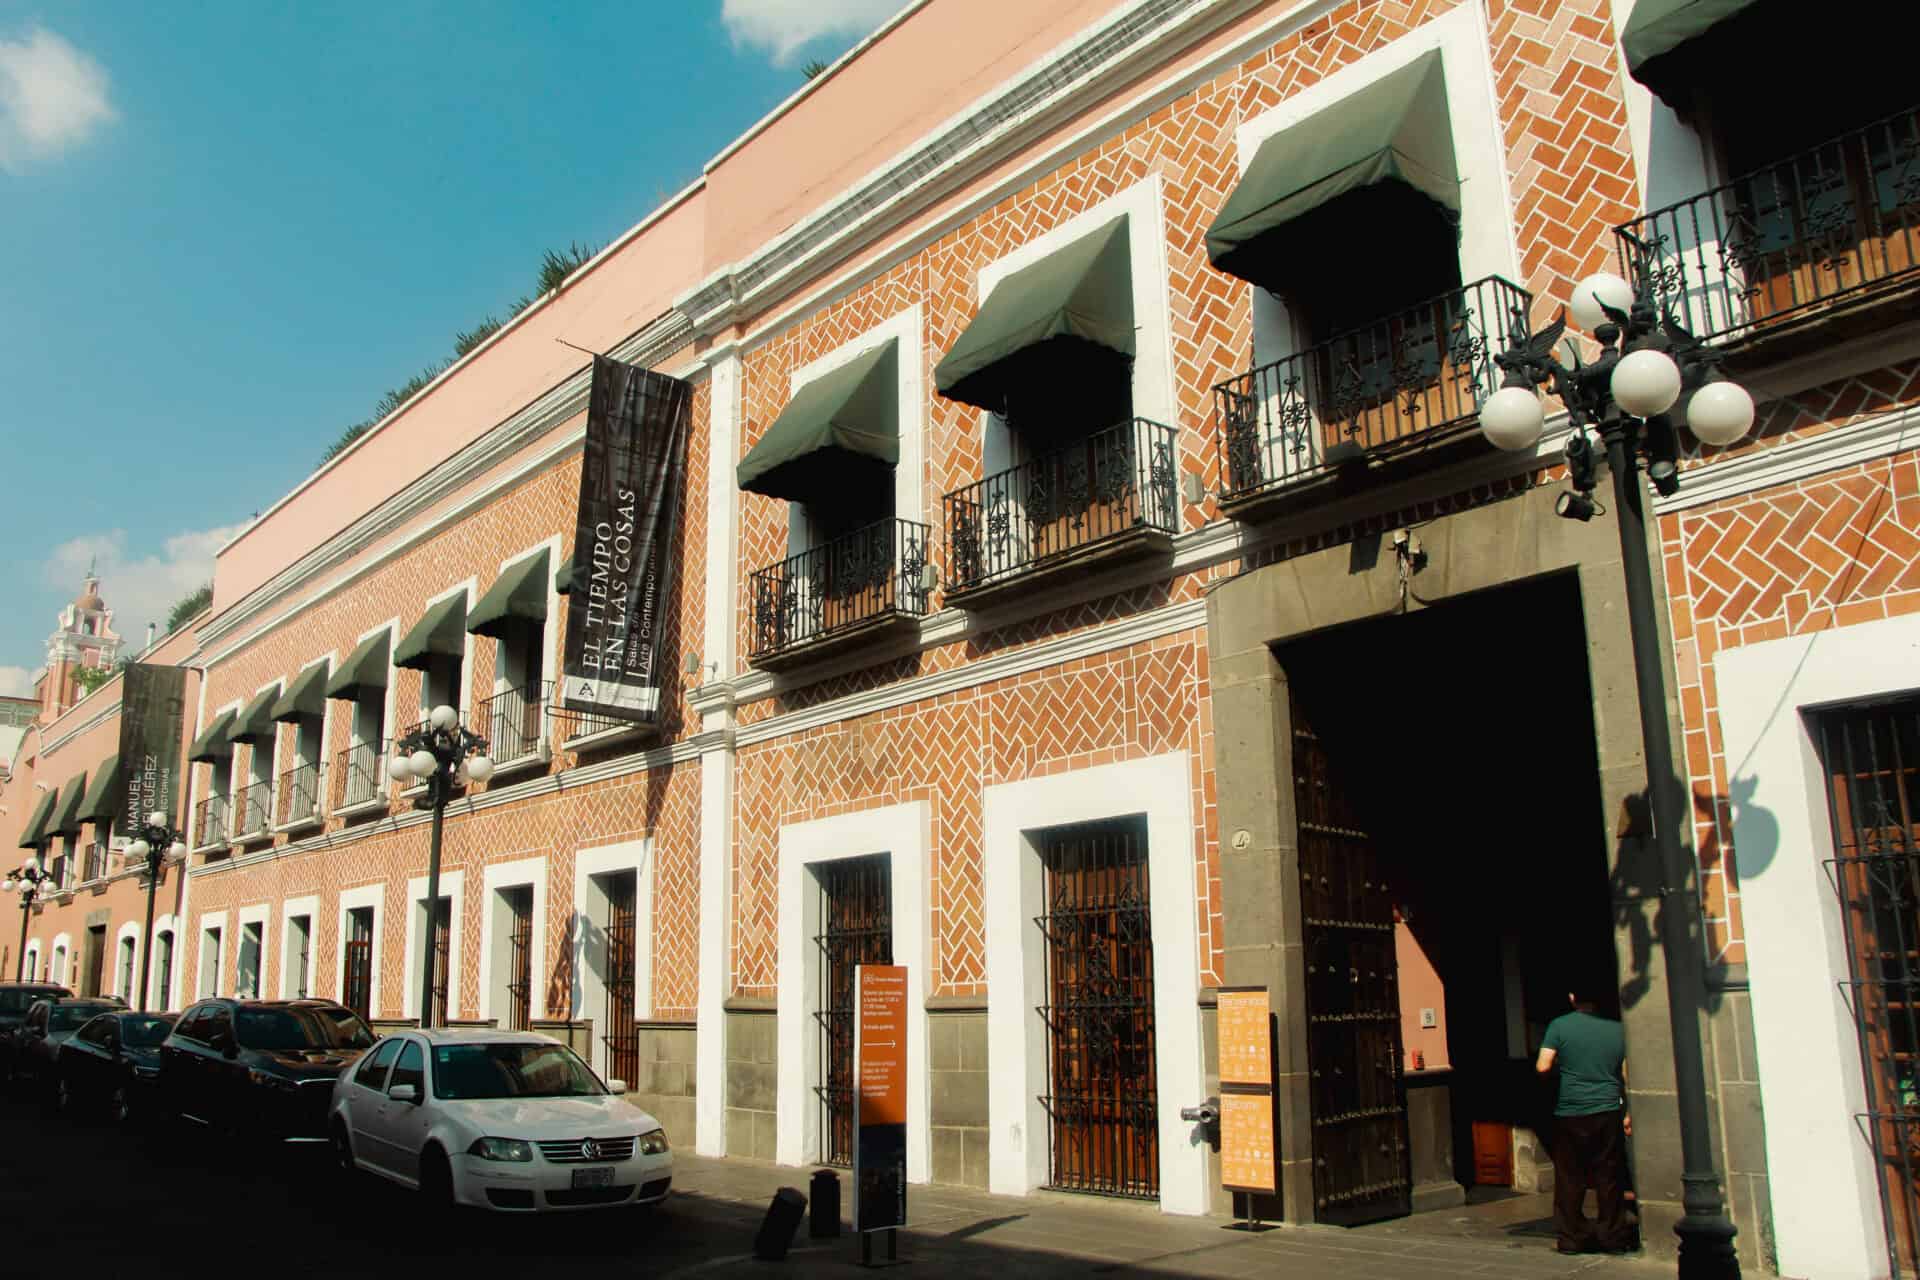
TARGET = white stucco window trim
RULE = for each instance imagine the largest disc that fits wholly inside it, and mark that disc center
(320, 761)
(196, 840)
(1825, 1194)
(383, 787)
(164, 996)
(550, 656)
(259, 913)
(278, 687)
(130, 929)
(32, 960)
(589, 984)
(453, 886)
(208, 922)
(1160, 788)
(904, 833)
(366, 895)
(308, 906)
(710, 1016)
(1154, 394)
(531, 873)
(62, 957)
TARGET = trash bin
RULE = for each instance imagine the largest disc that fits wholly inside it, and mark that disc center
(782, 1223)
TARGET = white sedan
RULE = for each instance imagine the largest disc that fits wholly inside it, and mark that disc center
(504, 1120)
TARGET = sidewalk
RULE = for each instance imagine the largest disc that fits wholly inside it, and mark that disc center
(957, 1232)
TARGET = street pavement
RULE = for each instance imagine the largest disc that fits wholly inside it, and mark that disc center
(172, 1199)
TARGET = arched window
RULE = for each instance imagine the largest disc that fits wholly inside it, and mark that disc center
(125, 989)
(162, 976)
(59, 971)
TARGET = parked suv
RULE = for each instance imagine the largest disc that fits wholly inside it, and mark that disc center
(15, 999)
(50, 1024)
(263, 1068)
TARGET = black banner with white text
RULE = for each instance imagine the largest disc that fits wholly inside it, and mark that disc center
(153, 711)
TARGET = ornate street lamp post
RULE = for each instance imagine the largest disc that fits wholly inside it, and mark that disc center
(1625, 396)
(158, 840)
(28, 882)
(445, 756)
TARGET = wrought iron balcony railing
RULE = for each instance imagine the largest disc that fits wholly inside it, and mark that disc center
(210, 822)
(1403, 382)
(857, 578)
(1828, 225)
(1111, 483)
(513, 722)
(251, 806)
(300, 795)
(357, 774)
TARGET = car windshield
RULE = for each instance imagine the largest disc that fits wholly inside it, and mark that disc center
(511, 1071)
(294, 1029)
(19, 1001)
(65, 1017)
(144, 1031)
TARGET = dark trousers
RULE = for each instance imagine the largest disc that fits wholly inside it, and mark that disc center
(1589, 1151)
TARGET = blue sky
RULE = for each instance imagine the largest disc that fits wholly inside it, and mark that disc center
(227, 228)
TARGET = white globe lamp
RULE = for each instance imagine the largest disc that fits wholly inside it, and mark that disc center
(422, 763)
(33, 863)
(1601, 286)
(1646, 383)
(156, 819)
(178, 849)
(1512, 418)
(7, 885)
(480, 768)
(1720, 413)
(397, 769)
(139, 849)
(443, 717)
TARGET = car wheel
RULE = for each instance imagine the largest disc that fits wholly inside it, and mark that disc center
(436, 1180)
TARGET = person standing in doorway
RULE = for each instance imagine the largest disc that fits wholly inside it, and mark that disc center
(1590, 1125)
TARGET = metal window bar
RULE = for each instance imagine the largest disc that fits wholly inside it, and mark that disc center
(1403, 382)
(1102, 1094)
(1810, 230)
(1110, 483)
(250, 806)
(300, 794)
(357, 773)
(855, 578)
(358, 965)
(513, 721)
(442, 943)
(210, 821)
(520, 972)
(856, 928)
(1871, 757)
(622, 1037)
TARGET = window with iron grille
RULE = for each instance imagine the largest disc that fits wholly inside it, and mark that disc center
(519, 904)
(856, 928)
(622, 1038)
(1102, 1097)
(357, 979)
(1871, 759)
(442, 949)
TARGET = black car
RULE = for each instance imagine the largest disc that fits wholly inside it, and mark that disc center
(111, 1063)
(15, 999)
(43, 1036)
(262, 1068)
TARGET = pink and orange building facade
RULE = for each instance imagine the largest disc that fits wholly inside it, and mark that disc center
(1092, 590)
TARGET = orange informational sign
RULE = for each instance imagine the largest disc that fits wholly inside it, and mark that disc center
(1246, 1142)
(880, 1086)
(1244, 1056)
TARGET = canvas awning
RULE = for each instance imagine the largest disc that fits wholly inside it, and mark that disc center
(1083, 293)
(1663, 39)
(101, 803)
(66, 814)
(563, 579)
(1395, 130)
(519, 594)
(212, 746)
(365, 668)
(440, 633)
(840, 430)
(255, 721)
(305, 698)
(34, 834)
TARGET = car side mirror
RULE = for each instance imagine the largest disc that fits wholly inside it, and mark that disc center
(616, 1087)
(405, 1093)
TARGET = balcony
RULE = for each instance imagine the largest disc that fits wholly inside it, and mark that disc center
(592, 731)
(1819, 247)
(251, 806)
(210, 823)
(300, 797)
(852, 591)
(1103, 500)
(360, 785)
(513, 722)
(1340, 414)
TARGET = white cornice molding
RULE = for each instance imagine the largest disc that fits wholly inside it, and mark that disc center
(1796, 460)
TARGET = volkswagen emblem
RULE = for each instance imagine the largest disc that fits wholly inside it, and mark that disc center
(589, 1149)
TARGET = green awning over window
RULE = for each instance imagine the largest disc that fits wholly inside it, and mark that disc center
(101, 803)
(1662, 41)
(255, 721)
(34, 834)
(305, 698)
(840, 430)
(1083, 292)
(66, 815)
(1394, 130)
(440, 633)
(212, 746)
(364, 670)
(519, 594)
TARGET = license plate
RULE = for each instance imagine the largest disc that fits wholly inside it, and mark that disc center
(599, 1176)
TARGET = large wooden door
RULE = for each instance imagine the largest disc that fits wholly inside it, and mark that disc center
(856, 928)
(1358, 1098)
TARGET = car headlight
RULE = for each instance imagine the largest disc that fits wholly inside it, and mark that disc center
(501, 1149)
(653, 1143)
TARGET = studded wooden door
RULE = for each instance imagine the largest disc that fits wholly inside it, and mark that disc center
(1361, 1168)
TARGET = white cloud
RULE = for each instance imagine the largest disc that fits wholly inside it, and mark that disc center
(138, 588)
(784, 27)
(52, 96)
(16, 682)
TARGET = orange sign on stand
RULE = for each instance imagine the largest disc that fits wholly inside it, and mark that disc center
(1244, 1056)
(1246, 1142)
(1247, 1157)
(880, 1091)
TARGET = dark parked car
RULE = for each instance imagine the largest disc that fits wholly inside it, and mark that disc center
(111, 1063)
(42, 1037)
(262, 1068)
(15, 999)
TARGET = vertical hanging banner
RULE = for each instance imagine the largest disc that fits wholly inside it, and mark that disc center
(630, 477)
(153, 713)
(880, 1093)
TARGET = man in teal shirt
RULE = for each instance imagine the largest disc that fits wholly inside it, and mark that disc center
(1590, 1125)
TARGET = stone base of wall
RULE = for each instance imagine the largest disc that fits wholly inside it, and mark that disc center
(957, 1105)
(752, 1055)
(665, 1088)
